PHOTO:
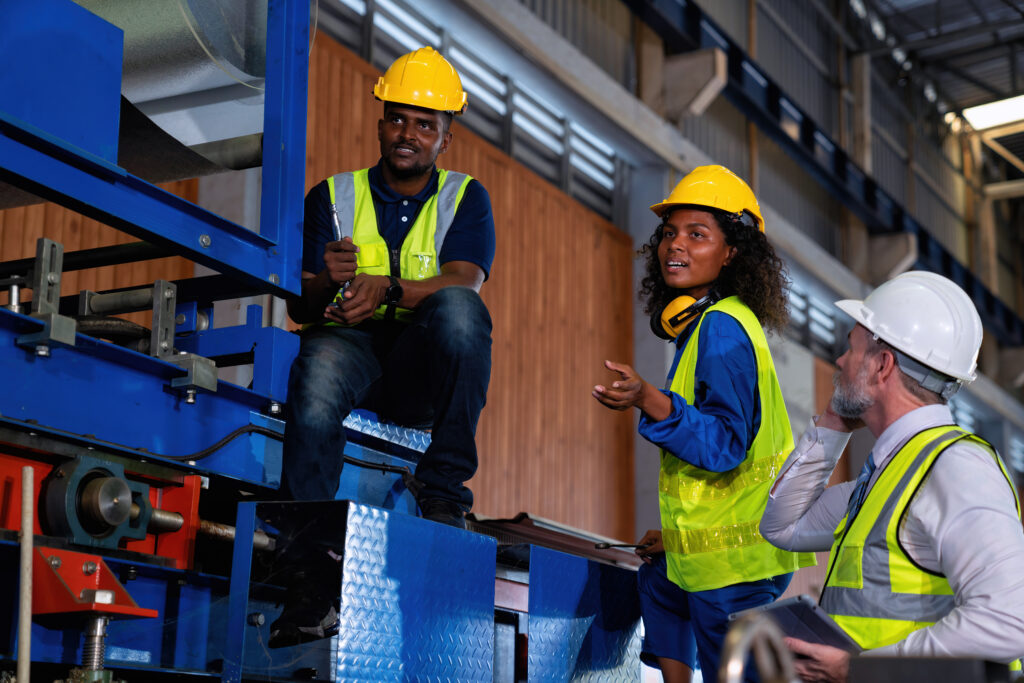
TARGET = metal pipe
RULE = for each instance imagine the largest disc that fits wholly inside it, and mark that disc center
(91, 258)
(757, 633)
(122, 302)
(25, 579)
(237, 154)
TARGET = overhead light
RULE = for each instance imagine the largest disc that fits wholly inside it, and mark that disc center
(929, 92)
(858, 8)
(995, 113)
(877, 27)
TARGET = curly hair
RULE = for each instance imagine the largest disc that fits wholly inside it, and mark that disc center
(755, 274)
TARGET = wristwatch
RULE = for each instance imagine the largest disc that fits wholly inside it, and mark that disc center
(393, 294)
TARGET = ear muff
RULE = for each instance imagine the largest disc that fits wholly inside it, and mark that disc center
(677, 315)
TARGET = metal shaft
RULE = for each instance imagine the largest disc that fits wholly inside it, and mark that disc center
(95, 644)
(226, 532)
(14, 298)
(25, 592)
(162, 521)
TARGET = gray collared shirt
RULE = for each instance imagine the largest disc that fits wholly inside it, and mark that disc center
(962, 523)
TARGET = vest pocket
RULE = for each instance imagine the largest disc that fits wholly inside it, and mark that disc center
(847, 572)
(372, 259)
(424, 265)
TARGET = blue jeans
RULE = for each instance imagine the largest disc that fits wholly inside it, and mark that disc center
(433, 370)
(680, 624)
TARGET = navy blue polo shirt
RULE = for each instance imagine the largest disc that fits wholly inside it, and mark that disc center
(470, 237)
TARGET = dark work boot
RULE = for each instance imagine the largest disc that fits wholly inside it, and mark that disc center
(310, 604)
(443, 511)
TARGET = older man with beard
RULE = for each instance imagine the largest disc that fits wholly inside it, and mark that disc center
(927, 545)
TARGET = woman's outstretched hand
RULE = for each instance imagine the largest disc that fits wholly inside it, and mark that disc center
(629, 391)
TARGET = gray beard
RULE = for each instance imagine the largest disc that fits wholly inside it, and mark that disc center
(851, 401)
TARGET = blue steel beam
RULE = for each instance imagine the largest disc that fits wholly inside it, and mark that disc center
(60, 171)
(46, 167)
(684, 26)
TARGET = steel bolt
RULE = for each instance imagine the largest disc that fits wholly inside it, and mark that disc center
(165, 345)
(204, 241)
(54, 561)
(42, 350)
(179, 319)
(274, 278)
(275, 408)
(89, 568)
(190, 396)
(52, 278)
(256, 619)
(168, 293)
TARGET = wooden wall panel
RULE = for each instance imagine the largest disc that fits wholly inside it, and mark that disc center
(21, 227)
(560, 299)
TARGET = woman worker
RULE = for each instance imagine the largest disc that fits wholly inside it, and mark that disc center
(713, 285)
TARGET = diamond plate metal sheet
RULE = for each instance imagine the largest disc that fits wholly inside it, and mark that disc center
(417, 601)
(584, 622)
(406, 437)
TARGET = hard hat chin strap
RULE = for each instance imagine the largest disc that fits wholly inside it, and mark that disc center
(932, 380)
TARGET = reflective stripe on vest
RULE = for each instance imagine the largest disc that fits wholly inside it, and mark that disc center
(873, 589)
(419, 257)
(710, 519)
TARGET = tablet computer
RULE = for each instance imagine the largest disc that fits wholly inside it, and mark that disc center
(802, 618)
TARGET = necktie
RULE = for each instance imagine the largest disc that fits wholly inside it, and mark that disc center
(861, 489)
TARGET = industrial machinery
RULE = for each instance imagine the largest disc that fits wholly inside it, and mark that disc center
(153, 477)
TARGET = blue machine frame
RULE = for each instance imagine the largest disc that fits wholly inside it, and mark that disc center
(143, 416)
(53, 168)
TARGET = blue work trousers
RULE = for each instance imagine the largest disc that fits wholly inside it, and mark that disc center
(432, 371)
(677, 622)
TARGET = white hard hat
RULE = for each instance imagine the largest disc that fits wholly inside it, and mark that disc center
(927, 317)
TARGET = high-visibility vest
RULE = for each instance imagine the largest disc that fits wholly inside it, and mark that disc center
(873, 589)
(419, 256)
(709, 519)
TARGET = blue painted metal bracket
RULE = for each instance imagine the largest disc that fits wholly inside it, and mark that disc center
(683, 25)
(273, 350)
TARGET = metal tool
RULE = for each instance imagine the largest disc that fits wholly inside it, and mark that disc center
(336, 224)
(604, 546)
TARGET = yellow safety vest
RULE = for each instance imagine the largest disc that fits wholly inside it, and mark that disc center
(873, 589)
(709, 519)
(420, 253)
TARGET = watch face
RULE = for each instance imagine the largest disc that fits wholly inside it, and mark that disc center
(394, 293)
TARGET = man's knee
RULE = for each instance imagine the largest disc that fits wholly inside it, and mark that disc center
(457, 313)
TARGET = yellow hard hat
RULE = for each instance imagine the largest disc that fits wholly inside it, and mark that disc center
(422, 78)
(714, 186)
